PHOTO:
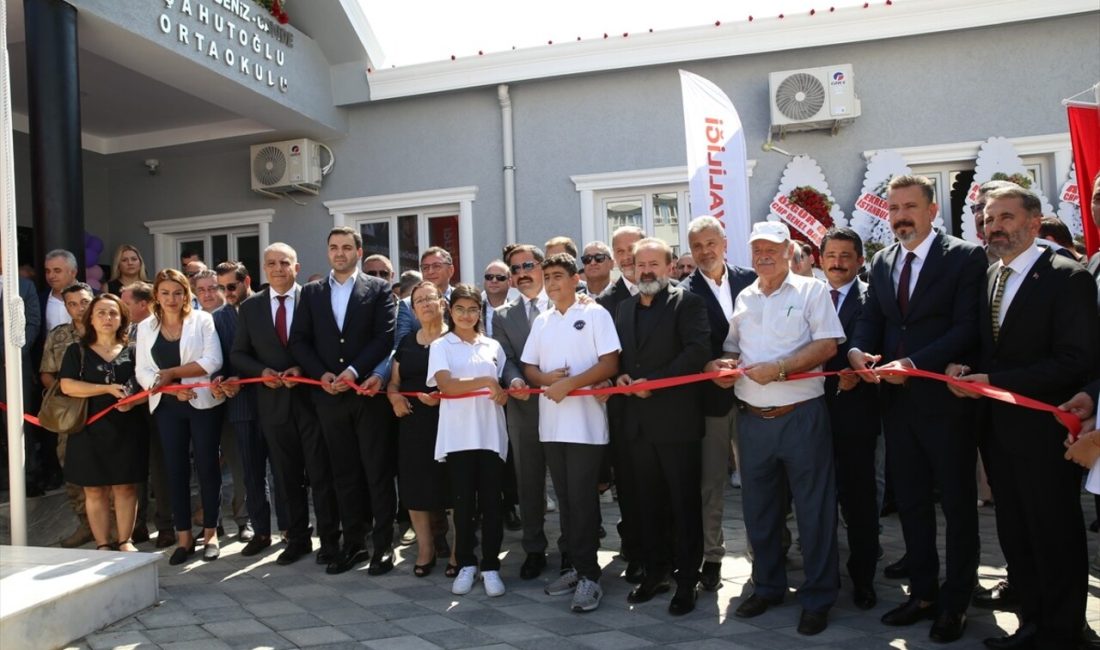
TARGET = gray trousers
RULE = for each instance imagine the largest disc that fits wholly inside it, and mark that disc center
(719, 437)
(530, 461)
(575, 470)
(800, 443)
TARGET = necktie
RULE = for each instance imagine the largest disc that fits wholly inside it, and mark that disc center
(836, 298)
(532, 310)
(998, 296)
(903, 283)
(280, 320)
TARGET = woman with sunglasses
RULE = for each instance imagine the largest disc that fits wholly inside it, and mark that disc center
(471, 437)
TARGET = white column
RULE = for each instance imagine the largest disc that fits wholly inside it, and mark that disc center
(466, 240)
(588, 217)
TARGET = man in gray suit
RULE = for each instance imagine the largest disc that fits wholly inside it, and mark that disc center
(33, 322)
(511, 325)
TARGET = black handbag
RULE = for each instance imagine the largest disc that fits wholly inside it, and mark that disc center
(61, 413)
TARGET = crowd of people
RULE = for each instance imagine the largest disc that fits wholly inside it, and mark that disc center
(423, 405)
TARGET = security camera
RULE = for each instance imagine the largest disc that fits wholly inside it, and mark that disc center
(152, 164)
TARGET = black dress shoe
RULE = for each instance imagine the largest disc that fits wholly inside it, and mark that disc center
(683, 602)
(382, 563)
(755, 606)
(811, 623)
(711, 576)
(292, 553)
(533, 566)
(257, 544)
(897, 570)
(1022, 639)
(1000, 596)
(180, 555)
(326, 554)
(635, 572)
(864, 597)
(908, 613)
(650, 587)
(512, 520)
(948, 627)
(165, 538)
(346, 559)
(141, 534)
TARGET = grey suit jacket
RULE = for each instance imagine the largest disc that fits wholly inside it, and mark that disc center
(510, 329)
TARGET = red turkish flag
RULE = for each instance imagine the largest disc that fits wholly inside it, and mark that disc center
(1084, 132)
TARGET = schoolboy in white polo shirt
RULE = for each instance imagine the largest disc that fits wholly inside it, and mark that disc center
(574, 345)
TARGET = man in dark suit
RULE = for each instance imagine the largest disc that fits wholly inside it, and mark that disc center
(920, 312)
(342, 329)
(718, 284)
(299, 457)
(854, 414)
(664, 333)
(630, 536)
(1040, 337)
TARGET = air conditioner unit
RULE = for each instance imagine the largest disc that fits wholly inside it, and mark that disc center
(291, 165)
(812, 98)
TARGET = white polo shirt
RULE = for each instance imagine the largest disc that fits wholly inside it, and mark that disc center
(575, 340)
(767, 328)
(56, 314)
(471, 422)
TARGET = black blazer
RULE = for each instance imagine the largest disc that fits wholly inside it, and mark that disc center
(855, 410)
(679, 345)
(718, 401)
(256, 347)
(319, 346)
(1048, 347)
(941, 325)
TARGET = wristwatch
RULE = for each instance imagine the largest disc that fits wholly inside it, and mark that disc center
(782, 371)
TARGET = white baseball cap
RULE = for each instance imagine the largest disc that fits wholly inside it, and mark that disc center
(773, 231)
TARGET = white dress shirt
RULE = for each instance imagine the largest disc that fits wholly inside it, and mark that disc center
(721, 291)
(56, 314)
(341, 295)
(765, 328)
(921, 252)
(470, 423)
(289, 302)
(1020, 267)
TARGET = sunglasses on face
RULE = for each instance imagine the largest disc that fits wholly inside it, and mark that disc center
(526, 266)
(385, 275)
(490, 277)
(232, 286)
(598, 258)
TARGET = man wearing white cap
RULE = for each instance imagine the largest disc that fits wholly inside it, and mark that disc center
(785, 324)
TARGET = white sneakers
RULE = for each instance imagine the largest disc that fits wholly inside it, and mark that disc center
(464, 582)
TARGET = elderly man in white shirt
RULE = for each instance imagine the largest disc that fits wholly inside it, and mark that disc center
(785, 324)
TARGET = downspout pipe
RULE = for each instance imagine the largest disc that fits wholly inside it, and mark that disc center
(509, 164)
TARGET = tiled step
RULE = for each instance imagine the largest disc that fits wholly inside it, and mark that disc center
(51, 596)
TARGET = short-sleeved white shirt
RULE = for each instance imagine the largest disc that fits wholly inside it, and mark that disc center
(471, 422)
(575, 340)
(767, 328)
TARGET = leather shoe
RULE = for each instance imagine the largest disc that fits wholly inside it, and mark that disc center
(1022, 639)
(141, 534)
(327, 554)
(512, 520)
(635, 572)
(908, 613)
(711, 576)
(165, 538)
(755, 606)
(292, 553)
(347, 558)
(257, 544)
(1000, 596)
(864, 597)
(683, 602)
(533, 566)
(381, 563)
(811, 623)
(650, 587)
(897, 570)
(948, 627)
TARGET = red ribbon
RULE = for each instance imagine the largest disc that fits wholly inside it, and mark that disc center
(1067, 419)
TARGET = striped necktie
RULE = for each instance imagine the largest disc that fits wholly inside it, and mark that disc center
(998, 297)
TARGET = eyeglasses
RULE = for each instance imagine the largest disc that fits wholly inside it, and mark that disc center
(598, 258)
(434, 266)
(232, 286)
(526, 266)
(977, 208)
(466, 311)
(491, 277)
(385, 275)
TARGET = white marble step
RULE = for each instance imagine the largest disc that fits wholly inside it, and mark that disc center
(52, 596)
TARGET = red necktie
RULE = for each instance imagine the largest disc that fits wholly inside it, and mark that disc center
(903, 283)
(280, 320)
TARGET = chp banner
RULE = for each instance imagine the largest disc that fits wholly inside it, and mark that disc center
(718, 179)
(1084, 132)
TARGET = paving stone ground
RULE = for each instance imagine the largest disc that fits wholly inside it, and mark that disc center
(239, 602)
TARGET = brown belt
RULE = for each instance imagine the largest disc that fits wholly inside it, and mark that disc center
(772, 412)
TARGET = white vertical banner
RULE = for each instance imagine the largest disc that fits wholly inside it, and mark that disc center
(718, 178)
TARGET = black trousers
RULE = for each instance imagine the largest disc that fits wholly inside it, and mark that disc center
(363, 460)
(668, 480)
(629, 526)
(476, 478)
(854, 449)
(300, 460)
(575, 470)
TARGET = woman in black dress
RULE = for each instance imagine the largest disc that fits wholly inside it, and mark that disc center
(109, 456)
(128, 267)
(422, 481)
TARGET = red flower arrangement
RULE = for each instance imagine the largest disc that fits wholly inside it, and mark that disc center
(818, 205)
(276, 9)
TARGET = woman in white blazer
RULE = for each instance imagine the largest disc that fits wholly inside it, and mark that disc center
(178, 345)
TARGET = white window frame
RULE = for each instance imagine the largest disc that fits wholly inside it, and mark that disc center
(426, 204)
(167, 233)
